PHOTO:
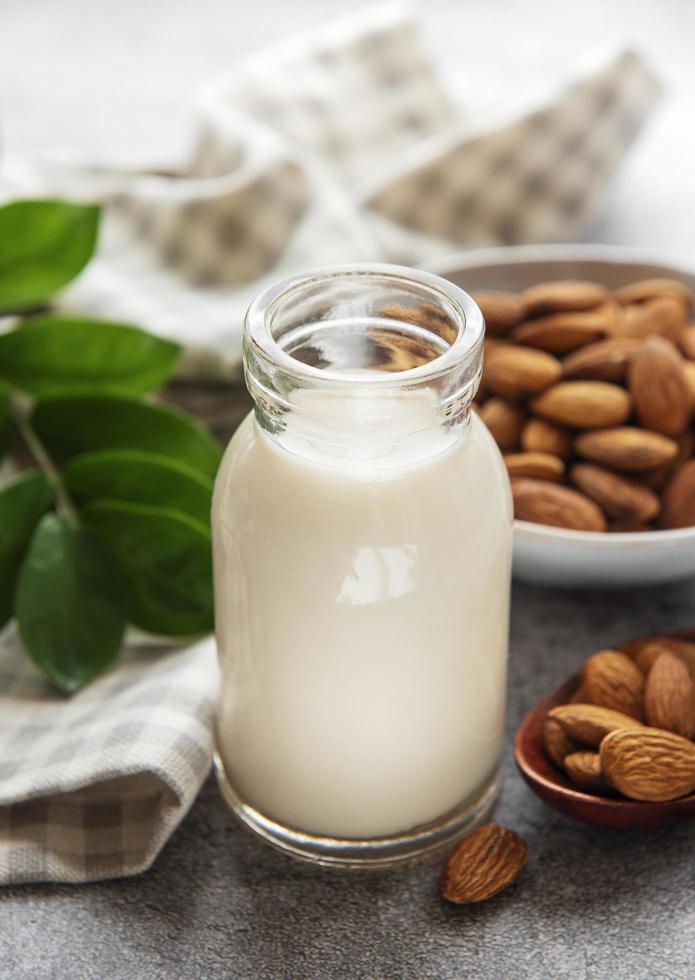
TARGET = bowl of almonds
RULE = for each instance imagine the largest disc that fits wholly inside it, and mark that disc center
(614, 745)
(589, 391)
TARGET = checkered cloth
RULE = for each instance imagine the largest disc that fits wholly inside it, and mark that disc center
(341, 146)
(92, 786)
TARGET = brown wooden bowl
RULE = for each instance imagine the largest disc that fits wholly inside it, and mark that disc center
(555, 789)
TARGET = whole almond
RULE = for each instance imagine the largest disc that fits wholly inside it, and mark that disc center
(622, 499)
(678, 501)
(543, 502)
(646, 651)
(583, 404)
(669, 696)
(612, 680)
(563, 294)
(658, 386)
(584, 769)
(560, 333)
(514, 372)
(540, 466)
(590, 723)
(501, 311)
(557, 742)
(605, 360)
(646, 289)
(687, 342)
(627, 448)
(505, 422)
(541, 436)
(649, 763)
(664, 315)
(484, 863)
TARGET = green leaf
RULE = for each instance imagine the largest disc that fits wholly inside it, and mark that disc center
(69, 604)
(22, 503)
(5, 415)
(43, 245)
(134, 476)
(50, 355)
(84, 423)
(166, 559)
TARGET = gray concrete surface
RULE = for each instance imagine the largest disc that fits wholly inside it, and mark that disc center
(597, 904)
(105, 77)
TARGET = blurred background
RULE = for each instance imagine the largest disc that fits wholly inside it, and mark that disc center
(108, 78)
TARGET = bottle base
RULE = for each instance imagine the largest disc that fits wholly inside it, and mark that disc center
(379, 852)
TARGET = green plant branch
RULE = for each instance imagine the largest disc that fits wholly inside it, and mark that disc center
(63, 501)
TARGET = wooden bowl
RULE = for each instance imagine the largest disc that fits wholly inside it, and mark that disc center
(555, 789)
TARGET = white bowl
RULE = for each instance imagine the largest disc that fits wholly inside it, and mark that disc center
(550, 555)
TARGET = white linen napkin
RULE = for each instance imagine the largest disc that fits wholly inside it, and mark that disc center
(340, 146)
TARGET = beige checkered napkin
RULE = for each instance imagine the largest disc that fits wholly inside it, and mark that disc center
(341, 146)
(92, 786)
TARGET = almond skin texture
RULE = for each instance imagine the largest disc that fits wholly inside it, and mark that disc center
(678, 502)
(540, 436)
(625, 448)
(689, 370)
(584, 404)
(658, 386)
(563, 294)
(646, 289)
(649, 764)
(622, 499)
(515, 372)
(484, 863)
(664, 315)
(501, 311)
(557, 742)
(590, 723)
(543, 502)
(541, 466)
(606, 360)
(687, 342)
(669, 697)
(584, 769)
(612, 680)
(560, 333)
(505, 422)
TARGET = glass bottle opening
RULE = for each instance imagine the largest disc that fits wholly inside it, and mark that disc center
(377, 335)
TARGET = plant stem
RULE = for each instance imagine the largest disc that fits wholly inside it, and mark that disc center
(63, 501)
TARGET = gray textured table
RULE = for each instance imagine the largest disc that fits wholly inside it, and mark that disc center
(591, 903)
(606, 906)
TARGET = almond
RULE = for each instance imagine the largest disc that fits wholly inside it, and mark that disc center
(501, 311)
(560, 333)
(541, 436)
(605, 360)
(612, 680)
(658, 478)
(646, 289)
(557, 742)
(631, 449)
(584, 769)
(583, 404)
(689, 369)
(563, 294)
(542, 502)
(514, 372)
(669, 697)
(622, 499)
(687, 342)
(649, 763)
(590, 723)
(664, 315)
(505, 422)
(541, 466)
(645, 652)
(659, 389)
(678, 501)
(484, 863)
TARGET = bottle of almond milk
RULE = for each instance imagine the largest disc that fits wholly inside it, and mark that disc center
(362, 540)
